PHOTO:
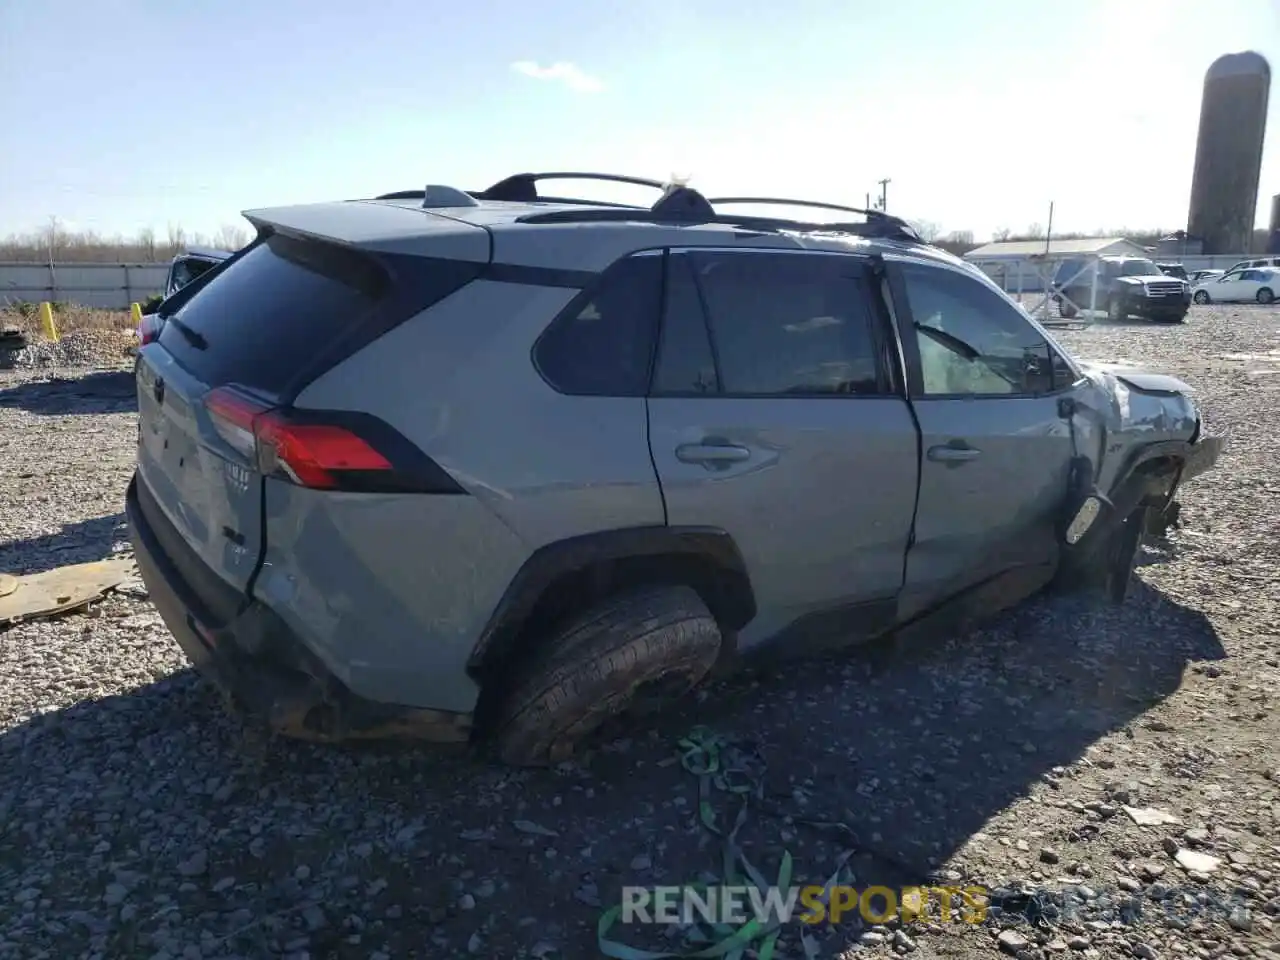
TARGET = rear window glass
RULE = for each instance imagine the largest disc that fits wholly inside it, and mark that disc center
(268, 315)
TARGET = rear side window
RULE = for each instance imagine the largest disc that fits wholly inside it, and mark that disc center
(789, 324)
(267, 316)
(601, 346)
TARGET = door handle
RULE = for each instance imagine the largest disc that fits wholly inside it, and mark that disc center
(712, 453)
(948, 453)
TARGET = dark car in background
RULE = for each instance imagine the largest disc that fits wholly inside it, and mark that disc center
(183, 270)
(1122, 287)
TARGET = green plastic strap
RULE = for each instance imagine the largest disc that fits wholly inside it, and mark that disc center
(701, 755)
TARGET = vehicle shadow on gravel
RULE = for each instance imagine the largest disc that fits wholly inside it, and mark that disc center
(111, 391)
(81, 542)
(913, 751)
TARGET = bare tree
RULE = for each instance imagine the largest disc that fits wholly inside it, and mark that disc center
(177, 237)
(147, 243)
(960, 237)
(1001, 235)
(928, 230)
(1035, 232)
(230, 237)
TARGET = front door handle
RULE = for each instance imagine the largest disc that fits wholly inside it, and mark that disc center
(953, 453)
(712, 454)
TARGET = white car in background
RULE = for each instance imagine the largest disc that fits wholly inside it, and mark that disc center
(1260, 284)
(1260, 262)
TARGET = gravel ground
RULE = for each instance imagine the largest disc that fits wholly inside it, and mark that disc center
(137, 820)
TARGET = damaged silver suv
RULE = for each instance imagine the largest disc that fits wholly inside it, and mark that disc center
(495, 465)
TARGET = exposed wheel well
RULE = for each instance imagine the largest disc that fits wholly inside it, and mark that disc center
(725, 590)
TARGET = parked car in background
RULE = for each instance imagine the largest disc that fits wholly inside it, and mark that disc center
(1125, 287)
(1200, 276)
(1260, 284)
(184, 269)
(1256, 262)
(187, 266)
(1173, 270)
(499, 466)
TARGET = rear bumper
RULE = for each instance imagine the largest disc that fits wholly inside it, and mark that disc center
(258, 665)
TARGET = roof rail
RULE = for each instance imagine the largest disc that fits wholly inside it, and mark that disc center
(681, 204)
(678, 204)
(523, 187)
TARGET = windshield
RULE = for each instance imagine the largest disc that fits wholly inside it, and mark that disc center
(1140, 268)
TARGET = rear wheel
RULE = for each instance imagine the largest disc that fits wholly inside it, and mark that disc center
(1265, 295)
(1201, 297)
(1066, 310)
(623, 652)
(1115, 310)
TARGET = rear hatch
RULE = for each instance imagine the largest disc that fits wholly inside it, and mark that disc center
(215, 388)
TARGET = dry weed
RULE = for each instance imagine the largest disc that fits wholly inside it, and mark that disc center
(68, 319)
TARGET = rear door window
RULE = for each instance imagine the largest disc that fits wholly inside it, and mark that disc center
(271, 312)
(790, 324)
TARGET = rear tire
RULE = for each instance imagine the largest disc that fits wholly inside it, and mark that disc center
(1201, 297)
(1265, 295)
(1065, 310)
(593, 668)
(1115, 310)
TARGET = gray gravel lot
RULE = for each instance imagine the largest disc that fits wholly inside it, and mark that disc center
(137, 820)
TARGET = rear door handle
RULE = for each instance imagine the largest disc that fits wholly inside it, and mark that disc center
(712, 453)
(948, 453)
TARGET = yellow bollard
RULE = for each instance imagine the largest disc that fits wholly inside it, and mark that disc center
(135, 309)
(46, 320)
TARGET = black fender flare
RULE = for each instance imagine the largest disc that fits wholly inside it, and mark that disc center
(731, 598)
(1130, 486)
(1127, 491)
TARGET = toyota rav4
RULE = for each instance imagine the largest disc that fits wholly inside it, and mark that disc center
(498, 466)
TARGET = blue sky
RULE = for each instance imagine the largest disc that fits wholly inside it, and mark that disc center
(133, 113)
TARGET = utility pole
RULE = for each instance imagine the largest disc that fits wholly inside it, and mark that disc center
(884, 193)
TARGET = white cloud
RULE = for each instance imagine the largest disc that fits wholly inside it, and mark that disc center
(567, 73)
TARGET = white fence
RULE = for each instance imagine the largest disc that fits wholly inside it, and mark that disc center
(1021, 275)
(109, 286)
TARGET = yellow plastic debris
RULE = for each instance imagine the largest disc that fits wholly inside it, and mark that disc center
(46, 321)
(61, 590)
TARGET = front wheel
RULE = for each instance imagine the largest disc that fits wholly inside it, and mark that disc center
(653, 641)
(1201, 297)
(1265, 295)
(1108, 565)
(1066, 310)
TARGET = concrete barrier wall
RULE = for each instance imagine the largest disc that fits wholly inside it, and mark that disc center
(109, 286)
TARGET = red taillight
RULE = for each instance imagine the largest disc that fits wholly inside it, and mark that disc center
(233, 415)
(148, 330)
(311, 453)
(308, 453)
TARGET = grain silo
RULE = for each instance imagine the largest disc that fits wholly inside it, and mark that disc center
(1233, 121)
